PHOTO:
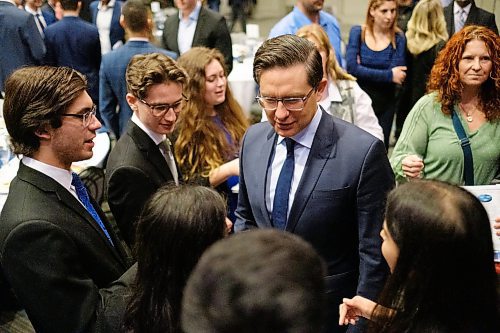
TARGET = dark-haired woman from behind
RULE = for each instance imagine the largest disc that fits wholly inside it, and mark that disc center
(175, 227)
(438, 245)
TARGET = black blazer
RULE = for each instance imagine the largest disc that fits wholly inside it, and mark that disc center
(54, 256)
(135, 170)
(211, 31)
(476, 16)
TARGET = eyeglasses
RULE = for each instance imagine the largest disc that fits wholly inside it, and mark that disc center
(159, 110)
(86, 116)
(290, 103)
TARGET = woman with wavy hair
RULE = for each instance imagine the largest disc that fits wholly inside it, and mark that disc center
(176, 226)
(425, 37)
(437, 243)
(211, 125)
(375, 55)
(464, 83)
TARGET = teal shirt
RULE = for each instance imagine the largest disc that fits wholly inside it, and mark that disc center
(429, 133)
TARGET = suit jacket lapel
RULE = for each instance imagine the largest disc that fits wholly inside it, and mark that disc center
(266, 156)
(200, 25)
(323, 148)
(473, 15)
(47, 184)
(150, 150)
(173, 30)
(449, 17)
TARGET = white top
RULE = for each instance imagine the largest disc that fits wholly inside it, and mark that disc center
(303, 142)
(187, 27)
(103, 23)
(363, 110)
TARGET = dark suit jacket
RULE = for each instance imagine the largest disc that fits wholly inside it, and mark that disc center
(135, 170)
(54, 256)
(116, 32)
(338, 205)
(20, 41)
(74, 43)
(476, 16)
(49, 14)
(113, 86)
(211, 31)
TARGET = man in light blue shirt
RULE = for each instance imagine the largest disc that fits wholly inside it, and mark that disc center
(306, 12)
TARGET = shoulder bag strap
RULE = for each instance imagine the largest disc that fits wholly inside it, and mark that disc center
(465, 144)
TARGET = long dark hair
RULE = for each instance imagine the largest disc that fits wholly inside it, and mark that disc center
(175, 228)
(444, 278)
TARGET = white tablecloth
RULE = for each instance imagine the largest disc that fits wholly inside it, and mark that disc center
(242, 84)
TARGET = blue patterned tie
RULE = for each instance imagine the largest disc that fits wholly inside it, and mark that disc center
(82, 194)
(280, 205)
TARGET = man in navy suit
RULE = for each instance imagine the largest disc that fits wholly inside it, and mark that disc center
(110, 31)
(471, 15)
(21, 44)
(196, 25)
(112, 84)
(74, 43)
(57, 250)
(314, 175)
(42, 18)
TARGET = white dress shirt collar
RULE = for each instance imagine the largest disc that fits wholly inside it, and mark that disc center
(457, 9)
(306, 136)
(62, 176)
(156, 137)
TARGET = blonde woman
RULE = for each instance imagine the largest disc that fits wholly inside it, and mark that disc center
(211, 125)
(376, 57)
(425, 37)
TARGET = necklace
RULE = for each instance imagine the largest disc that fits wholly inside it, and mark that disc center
(467, 113)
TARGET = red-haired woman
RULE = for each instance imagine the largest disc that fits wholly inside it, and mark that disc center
(464, 83)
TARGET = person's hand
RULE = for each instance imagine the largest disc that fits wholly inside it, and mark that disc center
(353, 308)
(229, 225)
(399, 74)
(497, 225)
(412, 166)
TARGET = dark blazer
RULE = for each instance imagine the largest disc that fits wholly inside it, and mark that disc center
(338, 206)
(74, 43)
(53, 254)
(211, 31)
(49, 14)
(476, 16)
(116, 32)
(20, 41)
(113, 86)
(135, 170)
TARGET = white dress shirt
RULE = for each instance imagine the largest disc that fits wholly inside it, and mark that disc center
(303, 142)
(187, 28)
(457, 10)
(62, 176)
(103, 23)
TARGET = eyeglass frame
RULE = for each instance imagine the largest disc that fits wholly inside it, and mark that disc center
(169, 106)
(283, 100)
(86, 117)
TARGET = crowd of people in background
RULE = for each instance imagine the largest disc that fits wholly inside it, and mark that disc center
(321, 217)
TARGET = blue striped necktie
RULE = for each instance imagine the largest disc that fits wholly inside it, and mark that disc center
(82, 194)
(282, 193)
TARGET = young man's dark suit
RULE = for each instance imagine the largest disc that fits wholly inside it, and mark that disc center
(55, 255)
(476, 16)
(211, 31)
(135, 170)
